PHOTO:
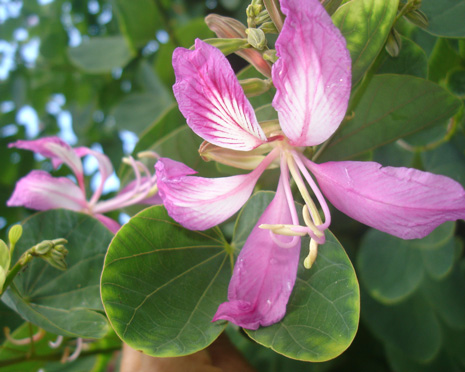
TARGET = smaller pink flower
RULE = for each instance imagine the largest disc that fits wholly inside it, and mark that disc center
(40, 191)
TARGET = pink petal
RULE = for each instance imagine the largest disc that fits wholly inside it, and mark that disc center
(104, 164)
(109, 223)
(55, 149)
(312, 75)
(264, 274)
(212, 100)
(404, 202)
(40, 191)
(199, 203)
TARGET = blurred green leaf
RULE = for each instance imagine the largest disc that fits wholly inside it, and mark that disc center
(445, 17)
(410, 325)
(65, 303)
(456, 82)
(138, 110)
(392, 107)
(365, 24)
(139, 20)
(323, 310)
(100, 55)
(161, 284)
(443, 58)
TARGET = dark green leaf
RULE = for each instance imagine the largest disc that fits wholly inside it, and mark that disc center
(365, 25)
(65, 303)
(445, 17)
(161, 284)
(411, 326)
(411, 60)
(392, 107)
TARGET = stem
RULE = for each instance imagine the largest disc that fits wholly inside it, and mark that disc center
(54, 356)
(22, 262)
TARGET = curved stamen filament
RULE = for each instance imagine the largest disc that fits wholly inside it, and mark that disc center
(313, 252)
(313, 225)
(282, 244)
(300, 160)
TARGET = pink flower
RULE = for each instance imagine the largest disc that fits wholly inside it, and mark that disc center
(39, 190)
(312, 78)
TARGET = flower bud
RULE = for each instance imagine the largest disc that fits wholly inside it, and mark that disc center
(15, 234)
(4, 256)
(227, 46)
(42, 248)
(270, 55)
(393, 43)
(254, 86)
(418, 18)
(225, 27)
(256, 38)
(269, 28)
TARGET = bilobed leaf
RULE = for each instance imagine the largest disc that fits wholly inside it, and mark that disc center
(100, 55)
(439, 262)
(62, 302)
(365, 24)
(445, 17)
(323, 310)
(139, 20)
(161, 284)
(392, 107)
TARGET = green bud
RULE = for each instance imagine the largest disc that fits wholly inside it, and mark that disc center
(227, 46)
(393, 43)
(269, 28)
(42, 248)
(3, 273)
(4, 256)
(255, 86)
(256, 38)
(15, 234)
(270, 55)
(418, 18)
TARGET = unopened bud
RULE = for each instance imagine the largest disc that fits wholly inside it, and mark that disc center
(269, 28)
(4, 256)
(3, 273)
(418, 18)
(227, 46)
(42, 248)
(256, 38)
(225, 27)
(15, 234)
(270, 55)
(393, 43)
(254, 86)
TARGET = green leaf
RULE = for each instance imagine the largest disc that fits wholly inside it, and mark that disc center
(137, 111)
(4, 257)
(8, 318)
(365, 24)
(323, 310)
(445, 17)
(162, 284)
(100, 55)
(392, 107)
(411, 326)
(456, 82)
(139, 20)
(65, 303)
(411, 60)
